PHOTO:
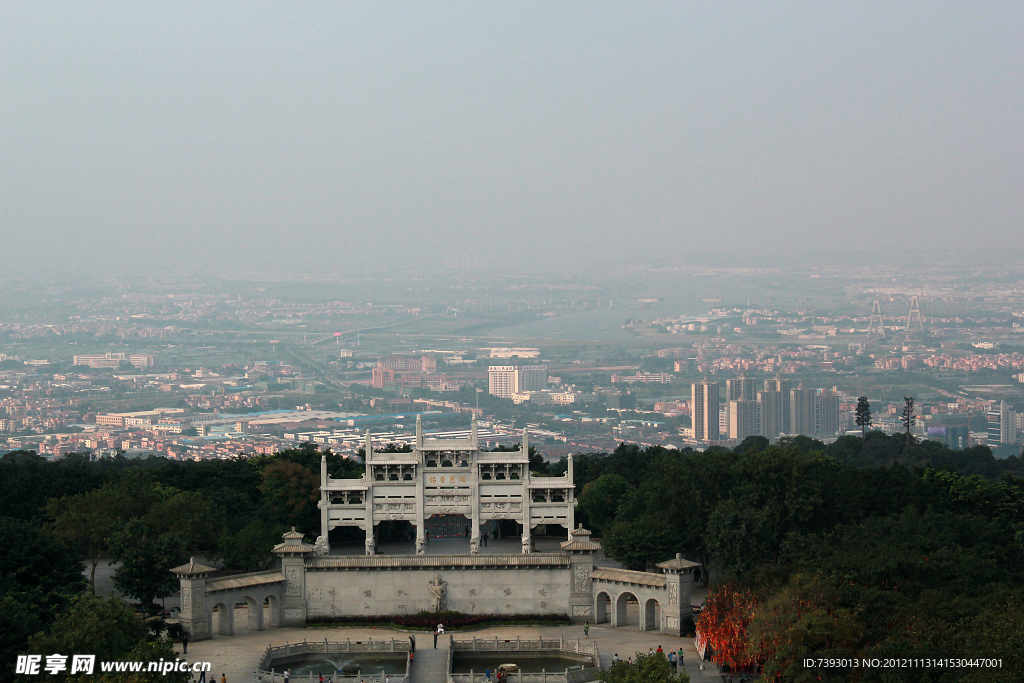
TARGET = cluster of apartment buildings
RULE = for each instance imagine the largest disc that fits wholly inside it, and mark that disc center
(522, 383)
(399, 373)
(777, 408)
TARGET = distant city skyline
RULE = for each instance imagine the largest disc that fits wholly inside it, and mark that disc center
(246, 137)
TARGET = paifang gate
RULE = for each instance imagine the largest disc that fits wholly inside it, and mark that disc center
(445, 478)
(440, 479)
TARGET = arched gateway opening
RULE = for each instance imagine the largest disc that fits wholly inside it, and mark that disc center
(254, 613)
(272, 611)
(627, 610)
(651, 616)
(602, 608)
(222, 619)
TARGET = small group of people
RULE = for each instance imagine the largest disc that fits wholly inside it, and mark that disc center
(439, 631)
(213, 678)
(500, 675)
(674, 657)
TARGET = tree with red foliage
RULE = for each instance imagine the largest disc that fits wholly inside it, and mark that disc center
(724, 622)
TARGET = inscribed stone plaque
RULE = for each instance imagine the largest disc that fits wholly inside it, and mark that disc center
(673, 594)
(186, 599)
(581, 610)
(581, 582)
(293, 583)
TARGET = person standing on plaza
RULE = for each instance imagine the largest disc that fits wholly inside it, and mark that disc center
(184, 643)
(487, 674)
(436, 631)
(586, 629)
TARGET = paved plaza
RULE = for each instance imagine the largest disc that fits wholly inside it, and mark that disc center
(237, 656)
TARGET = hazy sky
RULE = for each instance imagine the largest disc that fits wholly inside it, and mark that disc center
(228, 135)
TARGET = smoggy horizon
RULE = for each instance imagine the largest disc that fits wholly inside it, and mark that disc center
(260, 136)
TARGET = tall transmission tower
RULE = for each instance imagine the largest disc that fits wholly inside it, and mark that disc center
(914, 320)
(876, 328)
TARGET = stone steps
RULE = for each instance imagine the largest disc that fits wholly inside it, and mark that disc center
(430, 665)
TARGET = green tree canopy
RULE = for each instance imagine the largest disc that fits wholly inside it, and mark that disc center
(639, 543)
(251, 548)
(109, 629)
(85, 522)
(291, 492)
(601, 498)
(146, 558)
(39, 576)
(644, 668)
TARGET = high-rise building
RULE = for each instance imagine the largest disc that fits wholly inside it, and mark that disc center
(784, 386)
(1002, 424)
(501, 380)
(770, 410)
(742, 419)
(531, 378)
(826, 414)
(704, 410)
(801, 411)
(742, 389)
(505, 380)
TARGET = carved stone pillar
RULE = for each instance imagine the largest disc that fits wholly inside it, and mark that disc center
(194, 617)
(293, 565)
(678, 579)
(581, 561)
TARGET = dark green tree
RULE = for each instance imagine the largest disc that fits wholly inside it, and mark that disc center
(85, 522)
(109, 629)
(907, 417)
(601, 498)
(251, 548)
(639, 543)
(739, 536)
(39, 577)
(146, 558)
(644, 668)
(290, 492)
(863, 415)
(189, 514)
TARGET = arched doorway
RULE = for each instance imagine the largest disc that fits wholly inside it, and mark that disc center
(254, 613)
(652, 616)
(627, 610)
(225, 617)
(602, 606)
(272, 611)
